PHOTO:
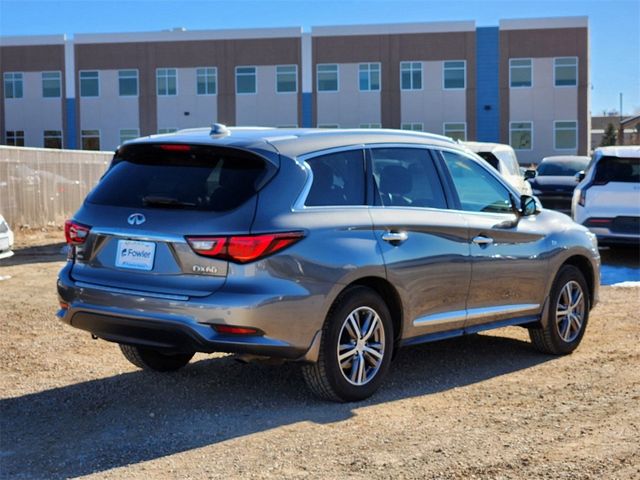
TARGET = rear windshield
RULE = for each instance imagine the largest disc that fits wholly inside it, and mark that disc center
(491, 159)
(562, 168)
(617, 169)
(179, 177)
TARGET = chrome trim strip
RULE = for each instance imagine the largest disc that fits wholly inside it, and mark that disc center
(474, 313)
(137, 293)
(138, 234)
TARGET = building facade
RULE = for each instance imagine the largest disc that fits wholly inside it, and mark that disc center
(524, 82)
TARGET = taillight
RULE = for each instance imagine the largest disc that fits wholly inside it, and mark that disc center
(231, 330)
(175, 147)
(598, 222)
(243, 248)
(75, 233)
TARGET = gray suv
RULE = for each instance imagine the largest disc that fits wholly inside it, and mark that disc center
(332, 248)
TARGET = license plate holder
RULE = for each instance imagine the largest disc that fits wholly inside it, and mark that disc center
(135, 255)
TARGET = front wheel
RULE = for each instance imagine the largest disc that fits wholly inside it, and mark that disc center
(152, 359)
(355, 350)
(566, 322)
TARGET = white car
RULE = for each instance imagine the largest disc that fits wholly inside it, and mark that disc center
(503, 159)
(6, 239)
(607, 200)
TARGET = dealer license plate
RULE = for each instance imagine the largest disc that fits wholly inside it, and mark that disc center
(136, 255)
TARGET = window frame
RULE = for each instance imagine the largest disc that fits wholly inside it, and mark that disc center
(464, 76)
(80, 72)
(82, 137)
(555, 59)
(519, 66)
(411, 62)
(59, 83)
(555, 139)
(370, 125)
(532, 135)
(328, 125)
(137, 77)
(206, 77)
(15, 137)
(255, 75)
(318, 65)
(13, 81)
(167, 69)
(444, 129)
(368, 72)
(137, 135)
(45, 137)
(292, 92)
(411, 126)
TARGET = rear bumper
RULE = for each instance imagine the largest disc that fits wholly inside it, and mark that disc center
(290, 332)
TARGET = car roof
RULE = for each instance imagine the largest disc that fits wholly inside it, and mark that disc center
(295, 142)
(565, 158)
(628, 151)
(487, 146)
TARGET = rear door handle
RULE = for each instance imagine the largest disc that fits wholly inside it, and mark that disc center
(482, 240)
(395, 237)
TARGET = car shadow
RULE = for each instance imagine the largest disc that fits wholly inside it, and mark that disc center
(133, 417)
(54, 252)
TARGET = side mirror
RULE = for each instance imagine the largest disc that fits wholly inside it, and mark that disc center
(529, 173)
(579, 176)
(528, 206)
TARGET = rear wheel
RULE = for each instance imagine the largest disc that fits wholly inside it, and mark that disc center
(355, 350)
(566, 321)
(152, 359)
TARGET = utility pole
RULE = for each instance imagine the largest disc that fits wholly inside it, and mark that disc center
(620, 127)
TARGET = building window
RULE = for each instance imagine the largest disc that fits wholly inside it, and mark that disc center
(127, 134)
(128, 83)
(52, 139)
(411, 75)
(287, 126)
(90, 139)
(89, 84)
(15, 137)
(456, 131)
(565, 135)
(416, 127)
(370, 125)
(51, 84)
(162, 131)
(454, 75)
(520, 72)
(521, 135)
(369, 75)
(246, 81)
(286, 78)
(13, 85)
(166, 82)
(328, 125)
(327, 78)
(206, 81)
(566, 71)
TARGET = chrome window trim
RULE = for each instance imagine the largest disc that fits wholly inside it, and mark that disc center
(141, 235)
(474, 313)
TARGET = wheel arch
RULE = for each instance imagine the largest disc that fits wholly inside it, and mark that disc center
(583, 264)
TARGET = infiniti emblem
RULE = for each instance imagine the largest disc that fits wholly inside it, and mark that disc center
(136, 219)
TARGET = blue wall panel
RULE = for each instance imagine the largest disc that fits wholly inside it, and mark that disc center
(488, 93)
(70, 131)
(307, 113)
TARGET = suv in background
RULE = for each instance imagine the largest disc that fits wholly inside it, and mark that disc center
(607, 200)
(330, 248)
(503, 159)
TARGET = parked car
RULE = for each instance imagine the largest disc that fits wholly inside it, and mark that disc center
(607, 200)
(554, 180)
(503, 158)
(6, 239)
(328, 247)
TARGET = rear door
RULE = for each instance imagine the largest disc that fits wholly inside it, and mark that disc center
(150, 200)
(424, 245)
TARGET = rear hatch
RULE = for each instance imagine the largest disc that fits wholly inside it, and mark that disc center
(615, 188)
(151, 200)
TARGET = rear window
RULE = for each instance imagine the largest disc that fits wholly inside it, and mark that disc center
(563, 169)
(491, 159)
(179, 177)
(617, 169)
(338, 179)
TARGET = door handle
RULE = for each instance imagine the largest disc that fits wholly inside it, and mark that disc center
(482, 240)
(395, 237)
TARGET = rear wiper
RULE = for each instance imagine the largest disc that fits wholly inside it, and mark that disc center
(151, 200)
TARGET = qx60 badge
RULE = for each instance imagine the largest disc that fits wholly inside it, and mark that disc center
(136, 219)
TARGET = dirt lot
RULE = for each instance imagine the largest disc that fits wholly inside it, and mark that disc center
(486, 406)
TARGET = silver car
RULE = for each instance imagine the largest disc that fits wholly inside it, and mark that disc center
(332, 248)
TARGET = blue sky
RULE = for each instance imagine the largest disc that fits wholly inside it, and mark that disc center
(614, 24)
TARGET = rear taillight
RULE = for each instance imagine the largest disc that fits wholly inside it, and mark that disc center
(75, 233)
(598, 222)
(231, 330)
(243, 248)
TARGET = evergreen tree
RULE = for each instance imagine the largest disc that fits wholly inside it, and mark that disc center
(609, 137)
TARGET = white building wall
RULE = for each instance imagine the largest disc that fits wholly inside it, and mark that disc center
(109, 112)
(267, 108)
(543, 103)
(172, 110)
(349, 107)
(433, 105)
(33, 113)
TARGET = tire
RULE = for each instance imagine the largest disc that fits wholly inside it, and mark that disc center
(366, 362)
(152, 359)
(560, 334)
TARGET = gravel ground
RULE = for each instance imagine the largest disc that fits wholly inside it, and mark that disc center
(485, 406)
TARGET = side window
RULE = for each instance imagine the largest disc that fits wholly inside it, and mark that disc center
(477, 189)
(406, 177)
(338, 179)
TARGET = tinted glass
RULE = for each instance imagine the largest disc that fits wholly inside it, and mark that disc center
(561, 168)
(617, 169)
(406, 177)
(491, 159)
(477, 189)
(338, 179)
(146, 176)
